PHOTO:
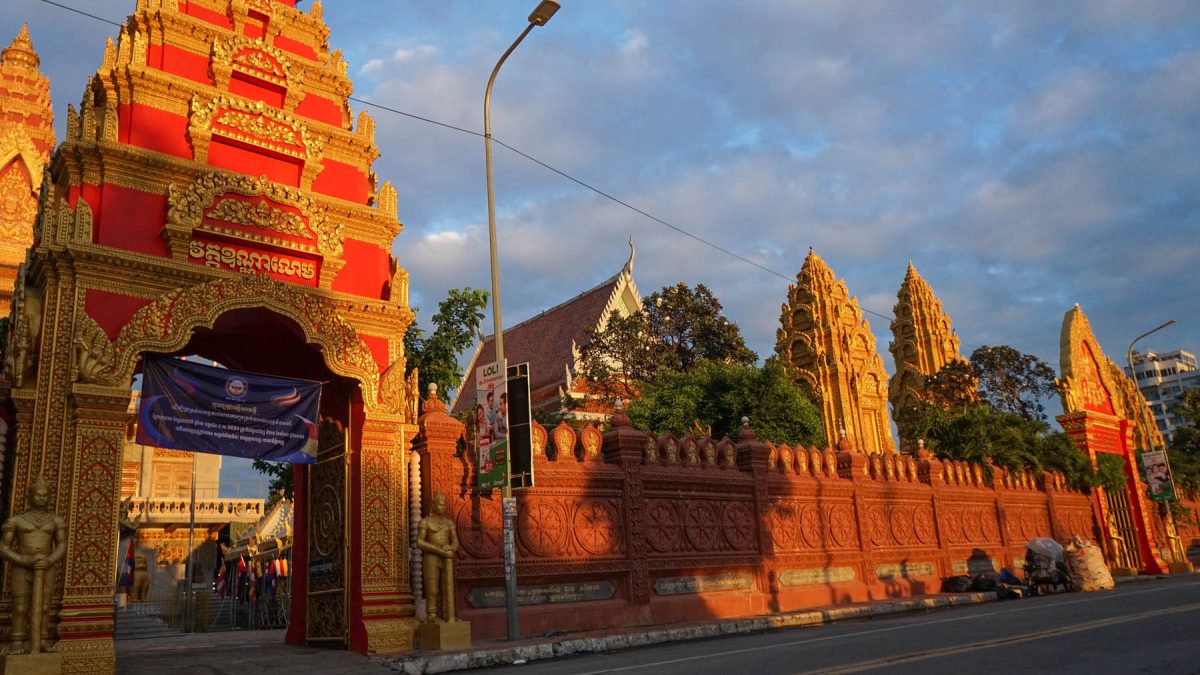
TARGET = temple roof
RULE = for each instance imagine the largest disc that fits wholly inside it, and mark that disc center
(20, 52)
(549, 341)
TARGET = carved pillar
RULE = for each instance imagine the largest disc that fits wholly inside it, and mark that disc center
(384, 621)
(91, 475)
(754, 457)
(624, 445)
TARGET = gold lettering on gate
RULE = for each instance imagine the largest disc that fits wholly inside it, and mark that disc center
(241, 260)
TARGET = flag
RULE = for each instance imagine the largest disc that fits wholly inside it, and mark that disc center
(271, 577)
(221, 583)
(283, 567)
(127, 575)
(241, 578)
(253, 581)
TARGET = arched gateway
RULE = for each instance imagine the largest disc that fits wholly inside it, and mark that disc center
(214, 197)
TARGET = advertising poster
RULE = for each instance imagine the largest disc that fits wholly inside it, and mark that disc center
(1158, 476)
(491, 425)
(189, 406)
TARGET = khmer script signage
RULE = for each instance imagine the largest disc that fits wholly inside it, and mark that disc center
(189, 406)
(543, 594)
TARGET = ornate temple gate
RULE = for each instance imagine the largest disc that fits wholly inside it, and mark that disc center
(1102, 409)
(1123, 529)
(214, 196)
(328, 487)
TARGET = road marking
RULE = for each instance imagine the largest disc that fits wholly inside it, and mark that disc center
(889, 629)
(1015, 639)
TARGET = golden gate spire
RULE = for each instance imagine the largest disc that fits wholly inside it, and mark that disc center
(922, 342)
(824, 341)
(26, 139)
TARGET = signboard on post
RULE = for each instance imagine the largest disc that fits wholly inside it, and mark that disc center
(189, 406)
(491, 425)
(520, 438)
(1158, 476)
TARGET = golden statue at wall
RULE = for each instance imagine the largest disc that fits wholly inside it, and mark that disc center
(922, 343)
(438, 538)
(141, 580)
(33, 543)
(825, 342)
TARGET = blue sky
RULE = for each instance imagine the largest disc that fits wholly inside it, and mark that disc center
(1024, 155)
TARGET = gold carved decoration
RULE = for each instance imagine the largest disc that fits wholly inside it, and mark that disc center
(191, 209)
(393, 388)
(93, 353)
(18, 208)
(257, 124)
(257, 59)
(166, 325)
(259, 214)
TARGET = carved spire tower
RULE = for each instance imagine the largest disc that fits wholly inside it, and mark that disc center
(922, 342)
(824, 340)
(26, 139)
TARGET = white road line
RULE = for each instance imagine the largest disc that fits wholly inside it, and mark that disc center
(988, 644)
(889, 629)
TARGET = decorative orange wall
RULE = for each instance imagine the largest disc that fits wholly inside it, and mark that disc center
(628, 528)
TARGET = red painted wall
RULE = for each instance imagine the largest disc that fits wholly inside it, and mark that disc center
(131, 220)
(366, 270)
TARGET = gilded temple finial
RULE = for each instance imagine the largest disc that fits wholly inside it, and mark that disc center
(20, 51)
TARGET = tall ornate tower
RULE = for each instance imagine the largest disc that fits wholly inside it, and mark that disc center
(922, 342)
(26, 140)
(824, 341)
(214, 196)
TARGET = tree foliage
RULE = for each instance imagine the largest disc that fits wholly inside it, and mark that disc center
(720, 393)
(678, 329)
(280, 480)
(455, 326)
(1184, 450)
(1011, 381)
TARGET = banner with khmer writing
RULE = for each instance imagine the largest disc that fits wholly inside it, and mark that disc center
(189, 406)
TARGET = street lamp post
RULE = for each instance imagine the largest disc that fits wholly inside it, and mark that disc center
(1133, 374)
(541, 14)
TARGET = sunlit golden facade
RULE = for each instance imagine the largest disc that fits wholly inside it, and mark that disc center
(922, 343)
(824, 341)
(26, 140)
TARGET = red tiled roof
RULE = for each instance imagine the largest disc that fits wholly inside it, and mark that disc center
(544, 341)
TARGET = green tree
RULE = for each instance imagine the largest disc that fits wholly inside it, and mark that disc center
(1011, 381)
(455, 325)
(719, 394)
(279, 482)
(678, 328)
(1184, 449)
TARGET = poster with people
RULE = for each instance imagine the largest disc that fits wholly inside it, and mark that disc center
(1158, 475)
(491, 425)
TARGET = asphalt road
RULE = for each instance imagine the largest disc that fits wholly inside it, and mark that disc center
(1145, 627)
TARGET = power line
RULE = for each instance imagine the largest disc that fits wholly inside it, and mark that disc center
(560, 172)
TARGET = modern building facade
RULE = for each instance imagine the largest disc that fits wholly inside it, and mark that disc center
(1163, 378)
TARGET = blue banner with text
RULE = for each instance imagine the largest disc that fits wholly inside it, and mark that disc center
(189, 406)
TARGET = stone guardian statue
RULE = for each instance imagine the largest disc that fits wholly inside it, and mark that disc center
(437, 537)
(33, 542)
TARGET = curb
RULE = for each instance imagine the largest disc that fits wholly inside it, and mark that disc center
(503, 656)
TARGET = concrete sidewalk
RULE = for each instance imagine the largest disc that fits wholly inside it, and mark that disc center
(241, 652)
(501, 652)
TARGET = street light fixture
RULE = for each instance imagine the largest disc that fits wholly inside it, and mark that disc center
(1133, 374)
(540, 15)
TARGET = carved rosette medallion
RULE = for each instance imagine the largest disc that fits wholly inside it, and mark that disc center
(542, 525)
(923, 524)
(810, 526)
(701, 525)
(973, 525)
(479, 528)
(841, 525)
(662, 526)
(952, 527)
(785, 527)
(876, 525)
(596, 526)
(901, 520)
(737, 523)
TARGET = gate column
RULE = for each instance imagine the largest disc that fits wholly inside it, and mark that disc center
(92, 468)
(381, 601)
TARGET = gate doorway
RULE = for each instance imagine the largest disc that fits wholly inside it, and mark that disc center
(1122, 530)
